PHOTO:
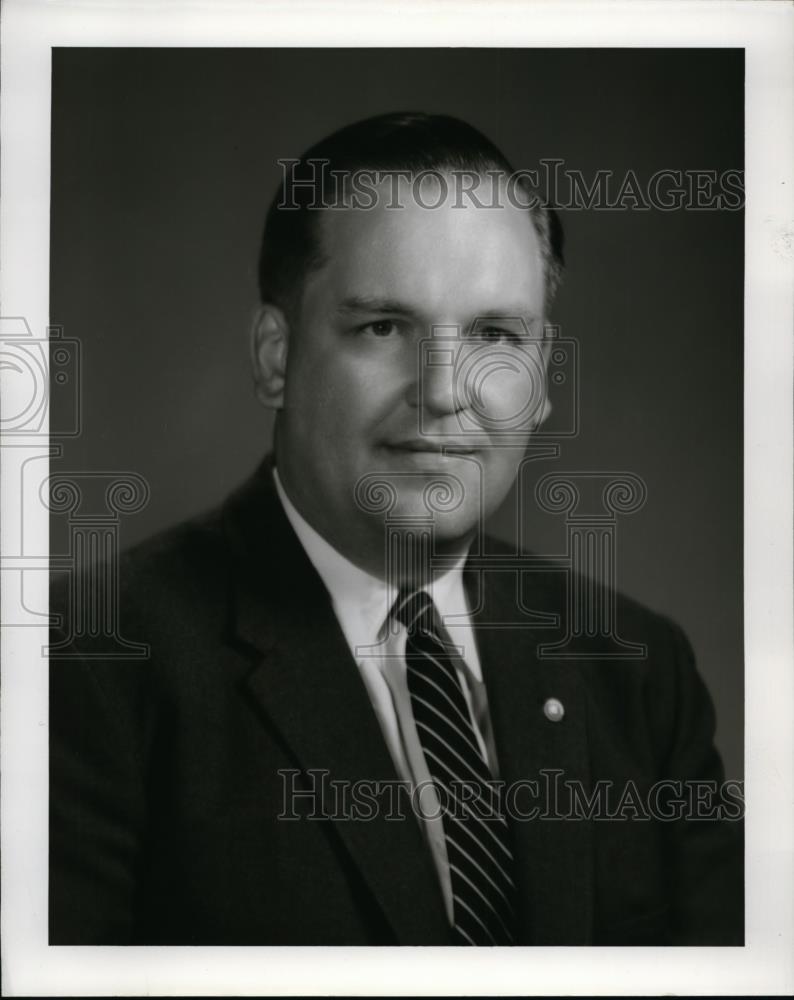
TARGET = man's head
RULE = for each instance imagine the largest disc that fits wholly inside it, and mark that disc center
(401, 331)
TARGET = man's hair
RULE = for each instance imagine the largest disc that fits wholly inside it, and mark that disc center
(406, 142)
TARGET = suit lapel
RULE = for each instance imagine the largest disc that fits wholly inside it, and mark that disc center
(553, 856)
(308, 687)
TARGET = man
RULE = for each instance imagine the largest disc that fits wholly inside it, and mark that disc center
(345, 733)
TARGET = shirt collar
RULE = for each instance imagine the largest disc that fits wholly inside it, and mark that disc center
(362, 601)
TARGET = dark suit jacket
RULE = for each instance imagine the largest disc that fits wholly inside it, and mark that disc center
(168, 774)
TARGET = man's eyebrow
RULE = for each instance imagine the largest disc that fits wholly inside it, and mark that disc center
(515, 313)
(384, 306)
(373, 304)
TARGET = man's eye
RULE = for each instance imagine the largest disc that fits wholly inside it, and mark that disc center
(496, 334)
(380, 328)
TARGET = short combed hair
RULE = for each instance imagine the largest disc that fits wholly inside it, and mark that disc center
(407, 142)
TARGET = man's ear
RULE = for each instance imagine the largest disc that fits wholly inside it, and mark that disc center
(269, 343)
(545, 354)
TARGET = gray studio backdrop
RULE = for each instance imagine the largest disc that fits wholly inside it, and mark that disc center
(163, 162)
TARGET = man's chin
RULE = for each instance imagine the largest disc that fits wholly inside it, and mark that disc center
(440, 512)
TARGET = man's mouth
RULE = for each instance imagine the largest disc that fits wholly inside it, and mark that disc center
(430, 447)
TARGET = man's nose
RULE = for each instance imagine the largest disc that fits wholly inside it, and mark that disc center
(437, 390)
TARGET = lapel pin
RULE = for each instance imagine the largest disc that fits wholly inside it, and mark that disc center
(553, 709)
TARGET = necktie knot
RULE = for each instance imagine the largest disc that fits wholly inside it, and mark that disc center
(415, 610)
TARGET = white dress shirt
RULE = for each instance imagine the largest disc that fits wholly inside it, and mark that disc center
(362, 603)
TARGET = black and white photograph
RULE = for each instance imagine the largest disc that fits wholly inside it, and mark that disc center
(387, 422)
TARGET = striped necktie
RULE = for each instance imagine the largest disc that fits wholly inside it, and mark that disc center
(475, 831)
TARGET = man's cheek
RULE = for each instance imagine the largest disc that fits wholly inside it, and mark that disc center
(512, 400)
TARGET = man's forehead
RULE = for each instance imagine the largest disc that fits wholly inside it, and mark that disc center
(423, 207)
(486, 258)
(430, 198)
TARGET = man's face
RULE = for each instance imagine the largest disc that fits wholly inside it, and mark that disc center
(420, 333)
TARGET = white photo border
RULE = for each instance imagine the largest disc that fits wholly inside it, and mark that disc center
(30, 29)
